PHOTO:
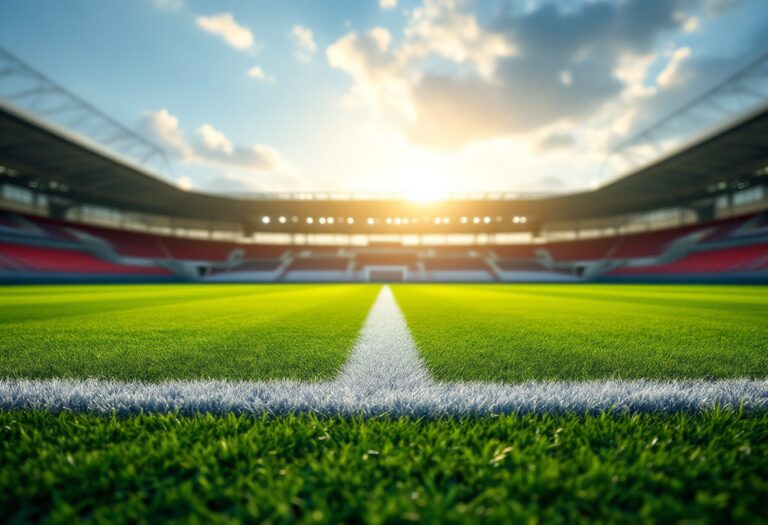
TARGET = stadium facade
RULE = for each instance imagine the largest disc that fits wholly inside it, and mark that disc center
(73, 209)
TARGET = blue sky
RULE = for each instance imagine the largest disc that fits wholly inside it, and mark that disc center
(383, 95)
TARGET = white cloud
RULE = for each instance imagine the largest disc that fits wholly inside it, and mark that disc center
(692, 24)
(164, 127)
(387, 4)
(225, 26)
(380, 76)
(185, 183)
(258, 73)
(210, 147)
(214, 139)
(688, 23)
(632, 70)
(455, 79)
(445, 29)
(671, 74)
(304, 41)
(556, 141)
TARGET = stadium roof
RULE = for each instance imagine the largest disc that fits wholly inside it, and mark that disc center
(44, 153)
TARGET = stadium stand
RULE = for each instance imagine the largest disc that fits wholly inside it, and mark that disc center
(583, 250)
(725, 260)
(727, 246)
(22, 258)
(432, 264)
(515, 252)
(197, 249)
(320, 268)
(129, 244)
(319, 264)
(408, 260)
(647, 244)
(520, 266)
(265, 265)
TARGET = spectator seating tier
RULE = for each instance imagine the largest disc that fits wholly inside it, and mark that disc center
(740, 258)
(386, 259)
(455, 264)
(51, 260)
(581, 250)
(319, 264)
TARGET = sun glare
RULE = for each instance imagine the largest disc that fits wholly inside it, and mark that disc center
(425, 180)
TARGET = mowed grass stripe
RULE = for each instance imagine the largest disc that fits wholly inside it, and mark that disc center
(563, 332)
(677, 298)
(28, 303)
(245, 332)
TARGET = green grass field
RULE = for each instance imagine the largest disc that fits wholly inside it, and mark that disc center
(709, 467)
(180, 331)
(541, 332)
(464, 332)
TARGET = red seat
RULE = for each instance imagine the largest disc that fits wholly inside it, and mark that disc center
(52, 260)
(742, 258)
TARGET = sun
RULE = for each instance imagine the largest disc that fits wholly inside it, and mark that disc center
(424, 180)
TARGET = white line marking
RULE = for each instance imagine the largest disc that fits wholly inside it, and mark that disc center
(385, 356)
(282, 397)
(384, 375)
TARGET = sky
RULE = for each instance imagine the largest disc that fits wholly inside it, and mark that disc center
(419, 97)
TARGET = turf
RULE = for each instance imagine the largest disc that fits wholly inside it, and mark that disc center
(180, 331)
(565, 332)
(708, 468)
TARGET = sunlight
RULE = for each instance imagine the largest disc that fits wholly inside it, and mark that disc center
(425, 179)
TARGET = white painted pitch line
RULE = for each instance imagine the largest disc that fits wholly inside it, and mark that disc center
(281, 397)
(385, 356)
(384, 375)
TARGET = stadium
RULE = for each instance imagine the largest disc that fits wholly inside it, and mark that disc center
(183, 353)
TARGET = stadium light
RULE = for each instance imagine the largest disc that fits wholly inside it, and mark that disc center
(389, 220)
(486, 220)
(329, 220)
(350, 220)
(438, 220)
(265, 219)
(310, 220)
(446, 220)
(321, 220)
(370, 220)
(282, 219)
(398, 220)
(464, 220)
(476, 220)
